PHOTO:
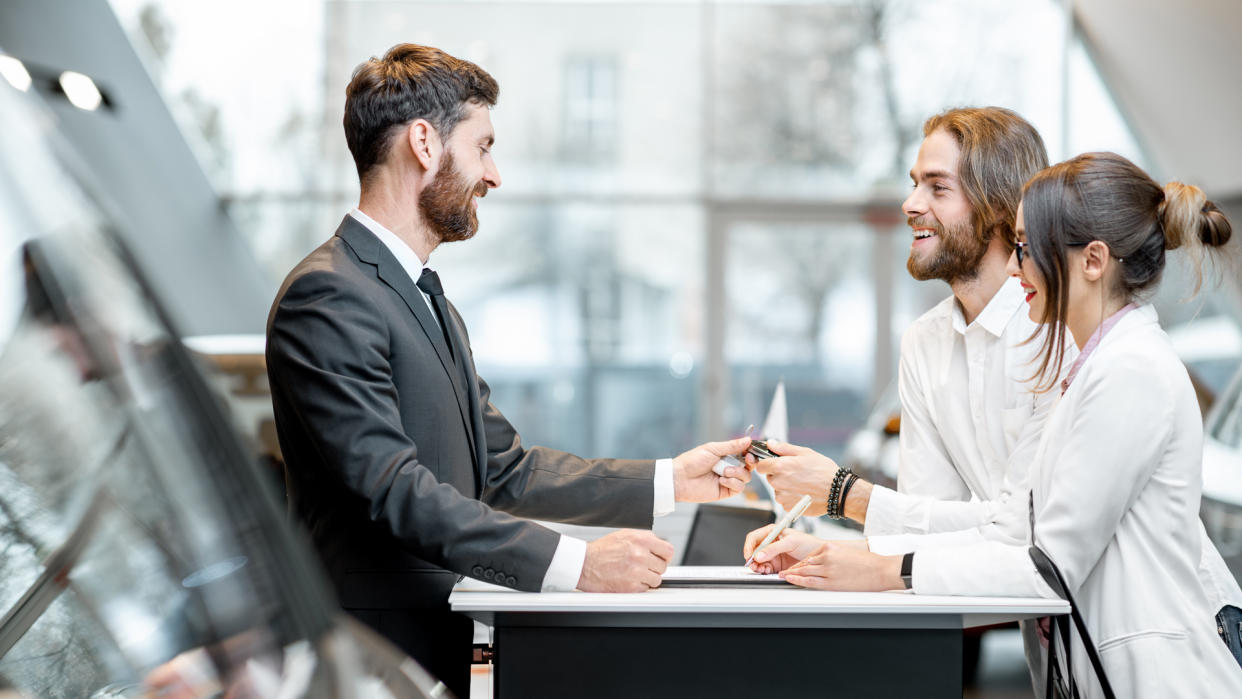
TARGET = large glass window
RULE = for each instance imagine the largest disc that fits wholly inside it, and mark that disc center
(699, 198)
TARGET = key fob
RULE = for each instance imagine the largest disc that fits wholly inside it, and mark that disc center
(726, 462)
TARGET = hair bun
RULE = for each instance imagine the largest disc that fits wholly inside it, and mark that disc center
(1187, 211)
(1215, 229)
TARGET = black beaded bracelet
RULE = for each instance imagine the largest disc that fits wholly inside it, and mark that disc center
(833, 490)
(834, 493)
(839, 505)
(845, 494)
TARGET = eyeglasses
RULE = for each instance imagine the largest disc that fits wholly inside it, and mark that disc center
(1020, 252)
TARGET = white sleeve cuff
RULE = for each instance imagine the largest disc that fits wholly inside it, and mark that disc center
(892, 544)
(665, 500)
(566, 567)
(901, 543)
(884, 513)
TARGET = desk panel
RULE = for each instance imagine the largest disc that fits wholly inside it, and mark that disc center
(732, 642)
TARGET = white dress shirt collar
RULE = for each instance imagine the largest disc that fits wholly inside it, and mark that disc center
(996, 315)
(404, 253)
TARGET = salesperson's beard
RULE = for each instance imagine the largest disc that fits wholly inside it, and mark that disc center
(447, 203)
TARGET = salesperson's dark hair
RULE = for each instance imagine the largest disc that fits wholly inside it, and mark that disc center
(410, 82)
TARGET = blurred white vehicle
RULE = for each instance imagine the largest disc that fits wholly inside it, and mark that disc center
(1222, 475)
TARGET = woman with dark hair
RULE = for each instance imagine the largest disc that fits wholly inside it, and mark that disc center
(1116, 479)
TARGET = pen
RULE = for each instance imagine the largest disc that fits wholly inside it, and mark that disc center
(781, 526)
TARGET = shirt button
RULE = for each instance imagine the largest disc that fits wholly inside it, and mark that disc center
(489, 573)
(511, 580)
(477, 571)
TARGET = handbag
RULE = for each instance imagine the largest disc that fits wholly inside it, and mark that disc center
(1056, 686)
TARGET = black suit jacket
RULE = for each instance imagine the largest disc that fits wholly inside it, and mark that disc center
(396, 461)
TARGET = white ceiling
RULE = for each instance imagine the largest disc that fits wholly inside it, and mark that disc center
(1175, 69)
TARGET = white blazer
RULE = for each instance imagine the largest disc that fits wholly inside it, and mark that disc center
(1116, 485)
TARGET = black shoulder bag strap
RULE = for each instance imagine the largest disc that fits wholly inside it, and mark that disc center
(1052, 575)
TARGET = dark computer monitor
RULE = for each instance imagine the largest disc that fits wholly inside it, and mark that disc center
(718, 531)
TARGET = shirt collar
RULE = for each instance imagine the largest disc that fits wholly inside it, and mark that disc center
(404, 253)
(1094, 342)
(996, 315)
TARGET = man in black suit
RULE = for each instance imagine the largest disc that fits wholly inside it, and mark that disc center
(396, 460)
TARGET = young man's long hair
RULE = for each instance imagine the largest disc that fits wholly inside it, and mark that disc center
(1000, 151)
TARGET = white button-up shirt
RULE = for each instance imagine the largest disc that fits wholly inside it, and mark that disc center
(970, 422)
(570, 555)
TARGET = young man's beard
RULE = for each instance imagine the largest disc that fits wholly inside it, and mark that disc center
(956, 258)
(447, 205)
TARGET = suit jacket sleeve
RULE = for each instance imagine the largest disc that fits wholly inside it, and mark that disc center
(553, 485)
(328, 360)
(557, 486)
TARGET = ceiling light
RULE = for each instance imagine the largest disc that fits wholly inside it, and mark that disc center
(13, 71)
(80, 90)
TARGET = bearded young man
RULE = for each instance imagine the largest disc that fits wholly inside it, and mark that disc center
(404, 473)
(969, 416)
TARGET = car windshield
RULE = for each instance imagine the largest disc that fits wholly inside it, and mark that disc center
(139, 546)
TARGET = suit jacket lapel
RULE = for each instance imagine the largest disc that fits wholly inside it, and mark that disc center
(369, 249)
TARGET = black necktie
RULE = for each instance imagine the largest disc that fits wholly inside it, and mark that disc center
(429, 282)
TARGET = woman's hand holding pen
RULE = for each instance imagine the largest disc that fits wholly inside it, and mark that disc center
(836, 565)
(789, 548)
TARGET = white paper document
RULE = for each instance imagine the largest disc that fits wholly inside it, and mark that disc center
(705, 576)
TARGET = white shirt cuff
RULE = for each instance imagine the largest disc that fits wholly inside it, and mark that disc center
(665, 500)
(884, 514)
(566, 567)
(892, 544)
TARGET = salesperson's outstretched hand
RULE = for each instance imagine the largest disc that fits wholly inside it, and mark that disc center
(695, 481)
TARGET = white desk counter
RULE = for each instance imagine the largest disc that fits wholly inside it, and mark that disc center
(483, 602)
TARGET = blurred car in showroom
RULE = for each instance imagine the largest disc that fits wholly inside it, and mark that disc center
(141, 552)
(1221, 508)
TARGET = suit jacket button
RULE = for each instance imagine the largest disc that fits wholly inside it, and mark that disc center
(489, 573)
(477, 571)
(512, 580)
